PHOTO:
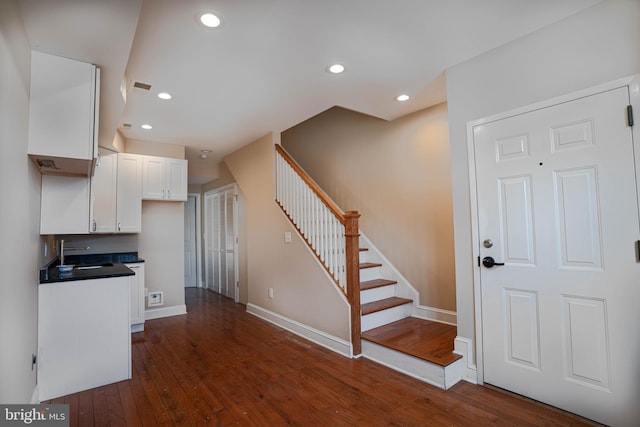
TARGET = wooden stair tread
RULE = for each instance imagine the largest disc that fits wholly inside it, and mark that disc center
(363, 249)
(369, 265)
(376, 283)
(383, 304)
(426, 340)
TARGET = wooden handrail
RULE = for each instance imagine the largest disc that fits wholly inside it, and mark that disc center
(351, 249)
(312, 185)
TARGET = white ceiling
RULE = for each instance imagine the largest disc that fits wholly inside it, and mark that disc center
(264, 69)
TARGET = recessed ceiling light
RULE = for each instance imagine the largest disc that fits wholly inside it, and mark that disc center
(402, 98)
(146, 126)
(210, 20)
(164, 95)
(336, 68)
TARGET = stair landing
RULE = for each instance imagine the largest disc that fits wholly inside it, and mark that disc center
(423, 339)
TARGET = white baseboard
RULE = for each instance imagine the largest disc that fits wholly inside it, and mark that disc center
(137, 327)
(158, 313)
(436, 314)
(35, 396)
(330, 342)
(464, 347)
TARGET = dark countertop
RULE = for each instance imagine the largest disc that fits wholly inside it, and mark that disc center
(111, 265)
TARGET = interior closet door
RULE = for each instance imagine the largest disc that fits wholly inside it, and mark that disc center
(220, 235)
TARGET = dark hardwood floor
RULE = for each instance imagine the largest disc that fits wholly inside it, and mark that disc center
(222, 366)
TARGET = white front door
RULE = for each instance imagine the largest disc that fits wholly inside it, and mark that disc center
(190, 243)
(557, 204)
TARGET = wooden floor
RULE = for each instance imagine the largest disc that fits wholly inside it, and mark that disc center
(219, 365)
(430, 341)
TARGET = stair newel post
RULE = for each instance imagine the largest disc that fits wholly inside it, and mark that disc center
(352, 253)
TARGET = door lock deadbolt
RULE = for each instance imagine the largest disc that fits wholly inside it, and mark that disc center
(488, 243)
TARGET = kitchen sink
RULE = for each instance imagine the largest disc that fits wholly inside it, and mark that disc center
(91, 267)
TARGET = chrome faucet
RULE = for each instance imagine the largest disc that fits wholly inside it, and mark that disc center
(69, 248)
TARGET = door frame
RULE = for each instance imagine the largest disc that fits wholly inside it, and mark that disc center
(633, 82)
(236, 261)
(199, 281)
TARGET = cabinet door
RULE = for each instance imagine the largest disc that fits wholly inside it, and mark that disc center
(153, 186)
(176, 179)
(62, 107)
(129, 200)
(103, 194)
(64, 205)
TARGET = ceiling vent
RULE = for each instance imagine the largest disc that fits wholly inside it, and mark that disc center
(141, 88)
(126, 126)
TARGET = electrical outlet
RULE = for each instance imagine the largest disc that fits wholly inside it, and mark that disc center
(271, 293)
(155, 298)
(287, 237)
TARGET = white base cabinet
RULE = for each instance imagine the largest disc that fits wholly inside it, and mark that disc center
(136, 288)
(83, 335)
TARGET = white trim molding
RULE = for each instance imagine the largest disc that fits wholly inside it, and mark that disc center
(35, 396)
(435, 314)
(464, 347)
(321, 338)
(158, 313)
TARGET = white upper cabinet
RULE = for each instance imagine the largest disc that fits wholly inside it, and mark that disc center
(103, 193)
(64, 205)
(63, 115)
(164, 179)
(128, 194)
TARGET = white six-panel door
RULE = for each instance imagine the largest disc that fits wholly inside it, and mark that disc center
(557, 204)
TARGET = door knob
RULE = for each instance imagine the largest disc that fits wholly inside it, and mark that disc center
(489, 262)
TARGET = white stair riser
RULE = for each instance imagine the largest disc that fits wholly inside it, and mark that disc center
(370, 273)
(439, 376)
(376, 294)
(379, 318)
(363, 256)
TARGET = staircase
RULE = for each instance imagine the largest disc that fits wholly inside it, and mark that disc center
(382, 303)
(391, 336)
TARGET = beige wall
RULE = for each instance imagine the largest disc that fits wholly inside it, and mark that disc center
(138, 146)
(225, 177)
(302, 290)
(161, 245)
(397, 175)
(597, 45)
(19, 215)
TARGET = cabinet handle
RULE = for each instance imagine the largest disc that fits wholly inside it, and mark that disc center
(168, 194)
(94, 226)
(118, 226)
(163, 193)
